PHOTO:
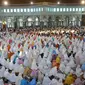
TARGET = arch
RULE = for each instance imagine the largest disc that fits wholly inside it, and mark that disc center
(36, 21)
(10, 22)
(20, 22)
(29, 21)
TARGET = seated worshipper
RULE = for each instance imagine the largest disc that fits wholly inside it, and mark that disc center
(5, 81)
(27, 71)
(6, 74)
(14, 57)
(11, 66)
(10, 53)
(46, 80)
(34, 69)
(24, 81)
(33, 82)
(1, 82)
(78, 71)
(78, 82)
(2, 70)
(40, 76)
(69, 80)
(12, 77)
(18, 79)
(83, 67)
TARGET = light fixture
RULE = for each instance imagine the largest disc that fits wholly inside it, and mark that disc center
(83, 2)
(31, 2)
(5, 3)
(58, 2)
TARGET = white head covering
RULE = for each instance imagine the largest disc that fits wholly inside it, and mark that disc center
(1, 82)
(18, 79)
(46, 81)
(53, 71)
(67, 69)
(34, 66)
(11, 65)
(2, 70)
(16, 67)
(6, 74)
(62, 67)
(21, 69)
(12, 77)
(26, 62)
(71, 63)
(54, 82)
(78, 71)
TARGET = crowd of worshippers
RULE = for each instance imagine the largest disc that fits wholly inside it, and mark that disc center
(48, 57)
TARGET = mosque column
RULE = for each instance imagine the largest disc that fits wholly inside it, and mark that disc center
(50, 21)
(80, 19)
(40, 21)
(37, 21)
(71, 20)
(16, 22)
(33, 21)
(0, 22)
(67, 20)
(24, 22)
(53, 21)
(62, 20)
(77, 20)
(57, 21)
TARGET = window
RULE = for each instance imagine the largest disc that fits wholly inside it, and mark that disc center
(73, 9)
(76, 9)
(79, 9)
(57, 9)
(48, 9)
(11, 10)
(4, 10)
(28, 10)
(7, 10)
(64, 9)
(60, 9)
(14, 10)
(41, 9)
(24, 10)
(31, 9)
(21, 10)
(54, 9)
(18, 10)
(82, 9)
(36, 19)
(29, 19)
